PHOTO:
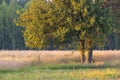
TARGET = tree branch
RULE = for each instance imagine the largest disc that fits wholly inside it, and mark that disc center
(104, 3)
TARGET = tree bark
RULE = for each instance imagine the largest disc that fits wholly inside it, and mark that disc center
(82, 57)
(88, 56)
(89, 52)
(82, 54)
(104, 3)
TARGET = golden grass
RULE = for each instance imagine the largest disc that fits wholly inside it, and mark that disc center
(18, 59)
(106, 74)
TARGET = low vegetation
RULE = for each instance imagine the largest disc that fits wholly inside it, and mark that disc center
(17, 59)
(61, 72)
(58, 65)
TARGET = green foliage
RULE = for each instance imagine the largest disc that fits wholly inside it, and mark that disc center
(3, 9)
(22, 2)
(64, 22)
(9, 32)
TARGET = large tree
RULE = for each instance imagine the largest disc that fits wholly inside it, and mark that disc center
(65, 21)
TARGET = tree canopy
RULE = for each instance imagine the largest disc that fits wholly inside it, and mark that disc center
(12, 37)
(65, 21)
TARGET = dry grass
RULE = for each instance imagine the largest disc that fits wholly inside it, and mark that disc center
(112, 57)
(18, 59)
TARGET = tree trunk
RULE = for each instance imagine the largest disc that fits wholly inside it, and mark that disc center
(82, 57)
(82, 54)
(89, 56)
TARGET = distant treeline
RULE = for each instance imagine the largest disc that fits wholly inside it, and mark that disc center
(11, 36)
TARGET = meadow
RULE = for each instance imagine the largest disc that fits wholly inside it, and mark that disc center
(58, 65)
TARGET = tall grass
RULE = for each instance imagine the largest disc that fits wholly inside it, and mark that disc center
(19, 59)
(58, 65)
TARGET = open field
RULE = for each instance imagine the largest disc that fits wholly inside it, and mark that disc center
(17, 59)
(58, 65)
(37, 73)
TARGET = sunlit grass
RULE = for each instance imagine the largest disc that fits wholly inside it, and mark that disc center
(58, 65)
(69, 72)
(18, 59)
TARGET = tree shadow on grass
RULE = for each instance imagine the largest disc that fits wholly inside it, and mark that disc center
(61, 67)
(77, 66)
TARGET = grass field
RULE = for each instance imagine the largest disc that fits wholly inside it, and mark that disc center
(58, 65)
(62, 72)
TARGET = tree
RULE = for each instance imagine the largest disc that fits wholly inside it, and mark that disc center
(116, 21)
(14, 32)
(114, 37)
(22, 2)
(10, 35)
(65, 21)
(3, 30)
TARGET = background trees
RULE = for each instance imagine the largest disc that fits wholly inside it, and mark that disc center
(3, 34)
(8, 39)
(116, 20)
(11, 36)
